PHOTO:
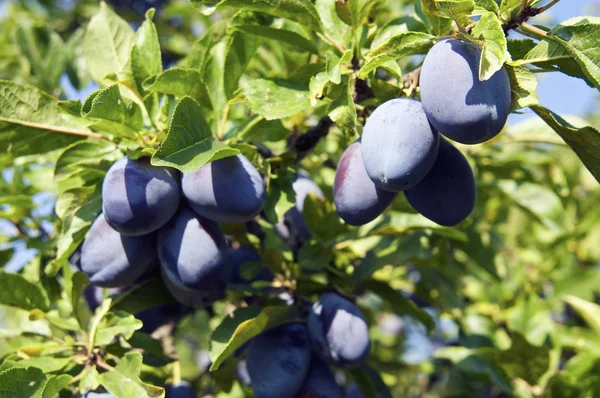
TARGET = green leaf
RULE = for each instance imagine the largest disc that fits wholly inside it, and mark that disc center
(280, 196)
(116, 323)
(400, 304)
(489, 29)
(45, 51)
(590, 312)
(487, 5)
(301, 11)
(523, 84)
(531, 318)
(148, 294)
(342, 110)
(107, 44)
(113, 113)
(46, 364)
(145, 54)
(81, 310)
(124, 380)
(189, 143)
(245, 324)
(539, 201)
(508, 8)
(581, 38)
(525, 360)
(178, 82)
(333, 26)
(276, 98)
(153, 350)
(99, 315)
(22, 382)
(369, 381)
(585, 141)
(55, 384)
(17, 291)
(281, 35)
(239, 50)
(457, 10)
(321, 218)
(32, 124)
(314, 255)
(397, 46)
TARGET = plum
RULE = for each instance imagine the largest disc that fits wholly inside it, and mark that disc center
(399, 145)
(293, 226)
(456, 102)
(95, 394)
(157, 316)
(183, 389)
(228, 190)
(113, 260)
(241, 370)
(338, 331)
(357, 199)
(320, 382)
(191, 250)
(447, 194)
(352, 391)
(138, 198)
(278, 361)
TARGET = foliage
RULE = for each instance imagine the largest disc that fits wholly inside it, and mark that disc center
(505, 304)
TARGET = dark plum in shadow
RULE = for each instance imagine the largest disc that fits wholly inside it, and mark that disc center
(278, 361)
(398, 144)
(138, 198)
(320, 382)
(447, 194)
(183, 389)
(228, 190)
(192, 255)
(113, 260)
(338, 331)
(456, 102)
(357, 199)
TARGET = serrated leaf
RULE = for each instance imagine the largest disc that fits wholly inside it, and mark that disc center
(301, 11)
(124, 381)
(581, 38)
(400, 304)
(590, 312)
(397, 46)
(245, 324)
(145, 54)
(189, 143)
(113, 113)
(276, 98)
(179, 82)
(55, 384)
(16, 291)
(46, 53)
(31, 122)
(150, 293)
(523, 84)
(493, 53)
(22, 382)
(116, 323)
(107, 43)
(457, 10)
(585, 141)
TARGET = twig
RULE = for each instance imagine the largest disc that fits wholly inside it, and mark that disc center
(535, 30)
(103, 365)
(309, 140)
(546, 7)
(334, 43)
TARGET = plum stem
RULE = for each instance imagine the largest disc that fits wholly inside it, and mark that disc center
(176, 372)
(221, 130)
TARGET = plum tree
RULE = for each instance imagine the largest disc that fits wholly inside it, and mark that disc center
(338, 331)
(237, 257)
(114, 260)
(447, 194)
(228, 190)
(456, 102)
(293, 227)
(183, 389)
(357, 199)
(191, 250)
(278, 361)
(399, 145)
(320, 382)
(138, 198)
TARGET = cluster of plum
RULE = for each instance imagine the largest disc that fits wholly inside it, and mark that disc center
(401, 149)
(145, 224)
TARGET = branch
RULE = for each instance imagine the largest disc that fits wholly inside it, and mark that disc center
(309, 140)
